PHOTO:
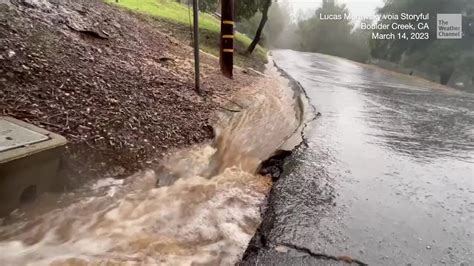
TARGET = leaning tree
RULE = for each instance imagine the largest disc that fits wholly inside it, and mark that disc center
(245, 9)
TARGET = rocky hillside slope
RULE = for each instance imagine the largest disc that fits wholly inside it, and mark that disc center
(117, 87)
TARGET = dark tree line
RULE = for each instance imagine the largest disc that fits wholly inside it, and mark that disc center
(267, 22)
(434, 55)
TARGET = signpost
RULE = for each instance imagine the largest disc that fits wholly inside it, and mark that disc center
(196, 46)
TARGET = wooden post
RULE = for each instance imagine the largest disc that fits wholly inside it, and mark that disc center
(227, 38)
(196, 46)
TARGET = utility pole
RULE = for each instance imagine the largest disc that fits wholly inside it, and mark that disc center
(196, 46)
(227, 38)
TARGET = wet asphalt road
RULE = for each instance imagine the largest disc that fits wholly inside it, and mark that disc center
(387, 176)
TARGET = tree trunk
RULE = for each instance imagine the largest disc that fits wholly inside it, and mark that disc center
(256, 40)
(445, 76)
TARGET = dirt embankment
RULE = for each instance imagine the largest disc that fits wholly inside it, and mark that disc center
(112, 83)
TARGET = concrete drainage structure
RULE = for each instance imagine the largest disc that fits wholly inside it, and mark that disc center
(29, 162)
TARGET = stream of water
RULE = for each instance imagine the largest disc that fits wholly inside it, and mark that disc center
(204, 211)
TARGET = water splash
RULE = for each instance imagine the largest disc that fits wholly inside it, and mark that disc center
(205, 210)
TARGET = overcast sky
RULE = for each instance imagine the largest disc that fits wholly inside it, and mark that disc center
(356, 7)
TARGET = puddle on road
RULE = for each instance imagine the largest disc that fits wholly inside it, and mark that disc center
(205, 210)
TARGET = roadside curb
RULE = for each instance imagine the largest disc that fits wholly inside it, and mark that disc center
(308, 111)
(279, 163)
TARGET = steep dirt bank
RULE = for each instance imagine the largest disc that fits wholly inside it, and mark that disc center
(204, 210)
(113, 84)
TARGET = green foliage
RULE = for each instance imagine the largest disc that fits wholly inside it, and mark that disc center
(468, 64)
(204, 5)
(208, 5)
(249, 26)
(178, 14)
(278, 22)
(245, 9)
(394, 49)
(333, 37)
(169, 10)
(325, 36)
(434, 56)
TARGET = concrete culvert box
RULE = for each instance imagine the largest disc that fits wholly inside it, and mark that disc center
(29, 162)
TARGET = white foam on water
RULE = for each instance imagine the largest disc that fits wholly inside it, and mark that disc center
(205, 211)
(194, 220)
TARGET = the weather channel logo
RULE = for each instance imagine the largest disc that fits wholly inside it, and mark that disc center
(449, 26)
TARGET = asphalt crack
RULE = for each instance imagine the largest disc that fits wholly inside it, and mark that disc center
(346, 259)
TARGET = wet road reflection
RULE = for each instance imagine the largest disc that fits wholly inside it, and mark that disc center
(388, 176)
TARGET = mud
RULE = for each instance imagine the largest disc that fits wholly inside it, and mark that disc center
(113, 83)
(205, 209)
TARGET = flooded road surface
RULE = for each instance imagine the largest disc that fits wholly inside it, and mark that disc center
(387, 177)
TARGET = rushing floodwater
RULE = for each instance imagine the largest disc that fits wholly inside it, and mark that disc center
(204, 212)
(388, 177)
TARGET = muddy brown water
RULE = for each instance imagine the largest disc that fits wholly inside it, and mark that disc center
(205, 211)
(388, 174)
